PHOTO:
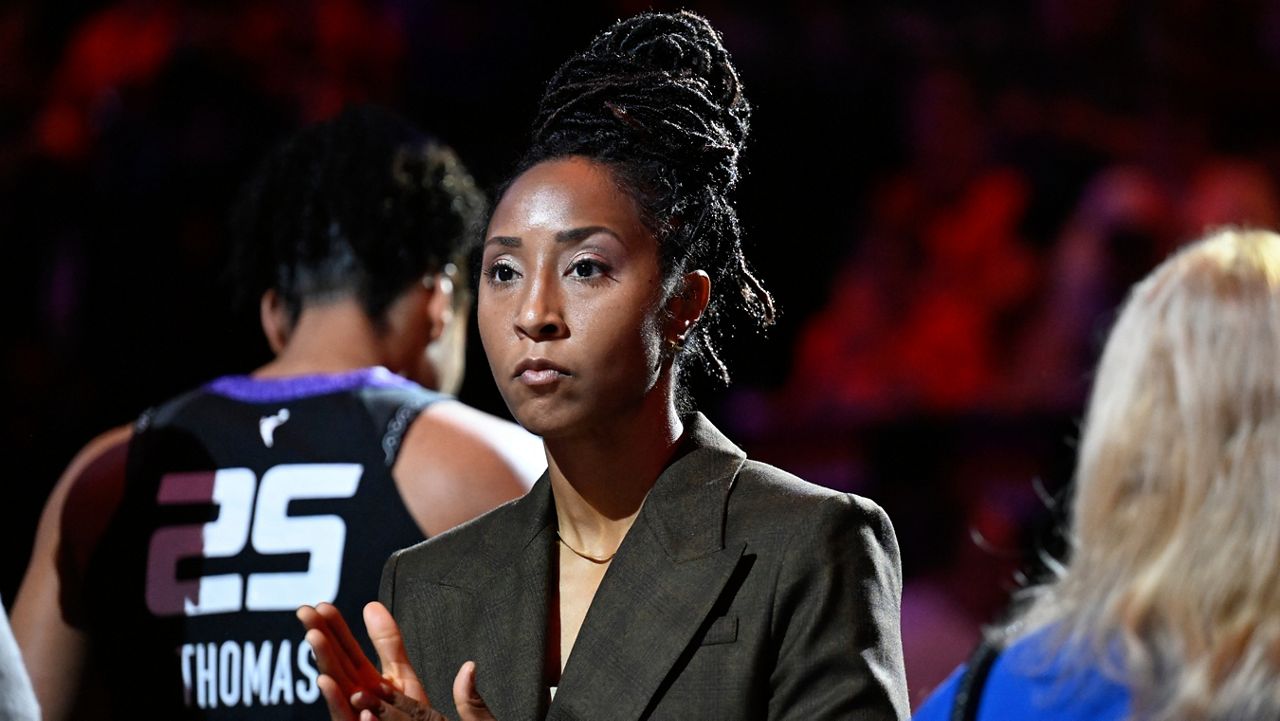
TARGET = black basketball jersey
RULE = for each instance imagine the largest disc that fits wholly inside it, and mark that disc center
(243, 500)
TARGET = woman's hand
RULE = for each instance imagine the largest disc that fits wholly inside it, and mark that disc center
(399, 707)
(346, 673)
(352, 687)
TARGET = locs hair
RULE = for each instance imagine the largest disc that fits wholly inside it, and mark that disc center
(359, 205)
(656, 99)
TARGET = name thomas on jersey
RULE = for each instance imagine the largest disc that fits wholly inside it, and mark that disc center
(232, 673)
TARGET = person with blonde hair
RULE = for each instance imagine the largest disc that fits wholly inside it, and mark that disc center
(1169, 606)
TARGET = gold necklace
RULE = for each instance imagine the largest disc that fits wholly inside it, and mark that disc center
(585, 557)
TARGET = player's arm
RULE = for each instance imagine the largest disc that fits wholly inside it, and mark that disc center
(457, 463)
(48, 602)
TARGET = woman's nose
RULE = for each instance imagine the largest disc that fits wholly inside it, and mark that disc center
(541, 315)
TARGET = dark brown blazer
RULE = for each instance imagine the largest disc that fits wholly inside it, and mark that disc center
(741, 592)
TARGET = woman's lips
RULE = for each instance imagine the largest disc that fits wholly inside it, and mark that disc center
(542, 377)
(539, 372)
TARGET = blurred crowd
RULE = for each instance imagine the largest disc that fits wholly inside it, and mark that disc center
(949, 201)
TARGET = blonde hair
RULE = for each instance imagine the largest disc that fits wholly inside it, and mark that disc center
(1173, 585)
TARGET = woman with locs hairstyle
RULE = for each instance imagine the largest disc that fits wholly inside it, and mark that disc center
(654, 572)
(1169, 606)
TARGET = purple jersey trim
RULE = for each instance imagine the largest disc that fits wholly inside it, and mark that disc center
(277, 390)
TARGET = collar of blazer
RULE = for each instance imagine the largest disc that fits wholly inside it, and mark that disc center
(658, 593)
(685, 509)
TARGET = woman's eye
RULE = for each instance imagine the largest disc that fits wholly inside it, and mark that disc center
(501, 272)
(586, 269)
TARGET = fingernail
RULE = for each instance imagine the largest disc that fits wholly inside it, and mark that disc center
(386, 689)
(360, 698)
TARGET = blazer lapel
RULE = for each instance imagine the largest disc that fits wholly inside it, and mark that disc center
(512, 596)
(663, 584)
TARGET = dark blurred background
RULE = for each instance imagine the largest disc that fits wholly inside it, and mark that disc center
(948, 200)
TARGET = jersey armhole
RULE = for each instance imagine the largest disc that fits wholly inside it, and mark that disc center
(397, 427)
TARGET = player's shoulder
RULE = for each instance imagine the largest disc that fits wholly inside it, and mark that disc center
(170, 410)
(88, 493)
(100, 459)
(457, 550)
(386, 393)
(452, 434)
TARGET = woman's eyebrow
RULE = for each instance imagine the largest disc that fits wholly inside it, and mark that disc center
(507, 241)
(576, 235)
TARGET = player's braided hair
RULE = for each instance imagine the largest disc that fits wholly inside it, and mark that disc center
(657, 99)
(362, 204)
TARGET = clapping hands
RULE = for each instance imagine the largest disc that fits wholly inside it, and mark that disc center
(353, 688)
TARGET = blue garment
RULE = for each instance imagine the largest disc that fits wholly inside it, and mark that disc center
(17, 699)
(1024, 684)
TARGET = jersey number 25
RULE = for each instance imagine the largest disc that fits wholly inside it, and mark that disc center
(240, 519)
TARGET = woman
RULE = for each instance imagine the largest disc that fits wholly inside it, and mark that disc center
(653, 572)
(1170, 605)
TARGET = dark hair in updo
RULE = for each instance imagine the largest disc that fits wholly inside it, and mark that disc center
(360, 205)
(656, 99)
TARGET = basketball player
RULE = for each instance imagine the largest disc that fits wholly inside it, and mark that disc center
(171, 555)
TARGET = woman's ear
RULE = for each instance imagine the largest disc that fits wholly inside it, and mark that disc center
(688, 302)
(275, 320)
(439, 303)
